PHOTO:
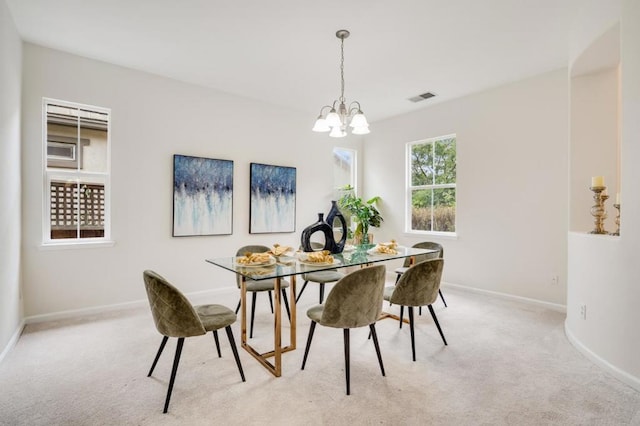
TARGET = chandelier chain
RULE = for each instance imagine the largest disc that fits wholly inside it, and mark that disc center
(342, 71)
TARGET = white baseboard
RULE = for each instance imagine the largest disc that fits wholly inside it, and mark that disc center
(616, 372)
(553, 306)
(74, 313)
(12, 342)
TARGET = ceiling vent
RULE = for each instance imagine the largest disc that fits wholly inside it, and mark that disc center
(422, 97)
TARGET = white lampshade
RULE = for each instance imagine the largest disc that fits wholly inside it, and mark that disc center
(337, 132)
(359, 120)
(321, 125)
(362, 130)
(333, 119)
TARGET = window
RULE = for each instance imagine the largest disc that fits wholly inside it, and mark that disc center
(344, 168)
(431, 185)
(76, 172)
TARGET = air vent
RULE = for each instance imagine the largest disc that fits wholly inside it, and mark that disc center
(422, 97)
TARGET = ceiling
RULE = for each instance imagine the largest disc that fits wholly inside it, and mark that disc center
(285, 52)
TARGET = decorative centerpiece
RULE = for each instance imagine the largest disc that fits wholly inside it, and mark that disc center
(365, 214)
(598, 210)
(326, 227)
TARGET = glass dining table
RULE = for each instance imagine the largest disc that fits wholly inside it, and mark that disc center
(290, 267)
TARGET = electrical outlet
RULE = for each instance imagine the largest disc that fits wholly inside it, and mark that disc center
(583, 312)
(554, 280)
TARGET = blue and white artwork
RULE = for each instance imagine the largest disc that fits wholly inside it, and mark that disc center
(273, 199)
(202, 196)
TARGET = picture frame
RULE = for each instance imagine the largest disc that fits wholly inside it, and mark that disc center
(272, 199)
(202, 196)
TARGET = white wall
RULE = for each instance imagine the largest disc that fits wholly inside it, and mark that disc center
(512, 184)
(152, 119)
(603, 271)
(10, 222)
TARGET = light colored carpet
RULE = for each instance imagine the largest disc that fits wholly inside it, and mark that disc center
(507, 363)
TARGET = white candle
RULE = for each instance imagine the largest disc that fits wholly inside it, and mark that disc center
(597, 181)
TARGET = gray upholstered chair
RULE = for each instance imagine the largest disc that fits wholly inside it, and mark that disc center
(418, 286)
(174, 316)
(439, 254)
(355, 301)
(255, 286)
(320, 277)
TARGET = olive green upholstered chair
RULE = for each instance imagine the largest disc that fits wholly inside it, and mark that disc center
(438, 254)
(355, 301)
(174, 316)
(320, 277)
(255, 286)
(418, 286)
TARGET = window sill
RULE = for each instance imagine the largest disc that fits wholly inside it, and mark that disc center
(67, 245)
(443, 235)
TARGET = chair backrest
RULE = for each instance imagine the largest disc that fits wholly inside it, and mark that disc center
(249, 249)
(356, 299)
(419, 285)
(172, 312)
(439, 254)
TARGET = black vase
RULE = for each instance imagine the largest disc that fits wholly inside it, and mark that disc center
(319, 226)
(337, 247)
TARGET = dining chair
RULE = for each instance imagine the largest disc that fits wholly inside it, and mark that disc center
(256, 286)
(174, 316)
(439, 253)
(418, 286)
(355, 301)
(320, 277)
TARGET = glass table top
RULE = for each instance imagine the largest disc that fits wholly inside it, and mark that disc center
(283, 266)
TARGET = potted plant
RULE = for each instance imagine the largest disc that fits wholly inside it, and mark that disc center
(363, 213)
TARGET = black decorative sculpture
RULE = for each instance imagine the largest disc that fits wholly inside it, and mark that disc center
(326, 228)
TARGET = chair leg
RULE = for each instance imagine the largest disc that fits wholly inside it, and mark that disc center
(442, 297)
(174, 370)
(397, 277)
(238, 308)
(372, 332)
(435, 319)
(301, 290)
(155, 361)
(215, 337)
(401, 314)
(413, 339)
(346, 360)
(306, 350)
(286, 302)
(420, 310)
(270, 300)
(232, 342)
(321, 293)
(253, 312)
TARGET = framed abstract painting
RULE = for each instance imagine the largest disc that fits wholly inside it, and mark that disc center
(273, 199)
(202, 196)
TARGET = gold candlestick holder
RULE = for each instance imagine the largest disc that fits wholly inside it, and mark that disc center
(598, 211)
(617, 233)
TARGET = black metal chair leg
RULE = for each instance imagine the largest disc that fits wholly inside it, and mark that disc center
(155, 361)
(270, 301)
(420, 310)
(401, 314)
(232, 342)
(286, 302)
(321, 293)
(346, 360)
(253, 312)
(238, 308)
(442, 297)
(435, 319)
(413, 339)
(301, 290)
(174, 370)
(215, 337)
(306, 351)
(372, 332)
(397, 277)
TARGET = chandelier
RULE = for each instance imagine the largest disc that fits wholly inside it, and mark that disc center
(339, 117)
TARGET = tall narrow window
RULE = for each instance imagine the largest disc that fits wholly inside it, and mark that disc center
(431, 185)
(344, 167)
(76, 172)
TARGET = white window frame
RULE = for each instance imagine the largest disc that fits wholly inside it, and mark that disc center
(75, 176)
(410, 188)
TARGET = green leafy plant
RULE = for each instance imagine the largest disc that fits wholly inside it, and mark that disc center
(364, 213)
